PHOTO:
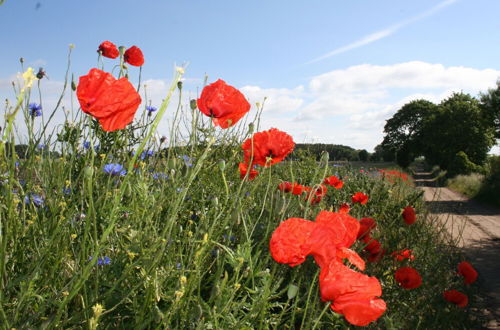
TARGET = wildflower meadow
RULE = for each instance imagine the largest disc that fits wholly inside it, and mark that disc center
(219, 224)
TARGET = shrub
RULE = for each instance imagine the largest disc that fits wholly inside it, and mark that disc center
(462, 165)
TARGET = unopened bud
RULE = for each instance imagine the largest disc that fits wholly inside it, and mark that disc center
(179, 85)
(193, 104)
(88, 172)
(325, 157)
(222, 164)
(251, 127)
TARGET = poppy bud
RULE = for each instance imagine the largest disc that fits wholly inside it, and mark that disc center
(88, 172)
(73, 85)
(179, 85)
(163, 139)
(121, 49)
(292, 291)
(193, 104)
(222, 164)
(21, 60)
(325, 157)
(251, 128)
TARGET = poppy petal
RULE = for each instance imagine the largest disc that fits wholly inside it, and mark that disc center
(288, 242)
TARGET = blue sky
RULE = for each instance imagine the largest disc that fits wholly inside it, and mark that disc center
(333, 71)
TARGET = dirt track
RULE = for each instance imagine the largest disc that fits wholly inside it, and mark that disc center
(475, 228)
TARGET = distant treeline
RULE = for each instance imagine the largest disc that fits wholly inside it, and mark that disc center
(337, 152)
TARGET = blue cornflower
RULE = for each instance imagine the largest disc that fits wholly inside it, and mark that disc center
(187, 160)
(37, 200)
(146, 154)
(178, 266)
(86, 144)
(41, 146)
(103, 261)
(16, 164)
(114, 169)
(66, 190)
(160, 176)
(150, 109)
(35, 110)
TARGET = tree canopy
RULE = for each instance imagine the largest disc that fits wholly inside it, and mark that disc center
(459, 124)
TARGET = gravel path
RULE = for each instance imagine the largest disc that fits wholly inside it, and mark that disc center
(475, 228)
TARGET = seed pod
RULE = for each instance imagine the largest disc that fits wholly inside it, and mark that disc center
(193, 104)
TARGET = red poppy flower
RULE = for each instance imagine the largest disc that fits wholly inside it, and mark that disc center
(376, 257)
(327, 239)
(108, 49)
(243, 167)
(393, 176)
(403, 254)
(456, 297)
(134, 56)
(360, 198)
(333, 231)
(373, 246)
(112, 102)
(268, 147)
(285, 186)
(408, 278)
(365, 227)
(297, 189)
(409, 215)
(289, 242)
(322, 239)
(353, 294)
(344, 208)
(468, 272)
(334, 182)
(223, 103)
(316, 193)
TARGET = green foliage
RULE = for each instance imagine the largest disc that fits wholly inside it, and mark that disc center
(466, 184)
(363, 155)
(404, 131)
(460, 125)
(490, 191)
(462, 165)
(490, 103)
(335, 151)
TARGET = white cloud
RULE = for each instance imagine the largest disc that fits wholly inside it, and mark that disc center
(372, 37)
(346, 106)
(278, 100)
(350, 106)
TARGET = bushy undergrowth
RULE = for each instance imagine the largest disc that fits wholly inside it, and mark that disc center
(482, 187)
(177, 239)
(468, 185)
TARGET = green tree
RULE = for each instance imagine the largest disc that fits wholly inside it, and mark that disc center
(404, 131)
(363, 155)
(459, 125)
(490, 103)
